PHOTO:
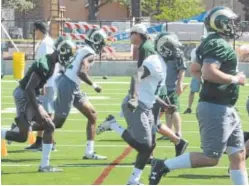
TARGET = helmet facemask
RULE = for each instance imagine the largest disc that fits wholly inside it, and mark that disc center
(96, 39)
(66, 50)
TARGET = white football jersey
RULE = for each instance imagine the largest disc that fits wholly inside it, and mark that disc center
(150, 86)
(73, 68)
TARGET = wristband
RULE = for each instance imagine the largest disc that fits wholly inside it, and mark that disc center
(94, 85)
(235, 80)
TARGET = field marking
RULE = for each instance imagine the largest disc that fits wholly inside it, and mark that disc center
(111, 166)
(110, 104)
(73, 111)
(98, 82)
(100, 118)
(83, 131)
(103, 145)
(97, 165)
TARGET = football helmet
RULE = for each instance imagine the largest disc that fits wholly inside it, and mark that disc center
(167, 45)
(96, 39)
(223, 21)
(66, 49)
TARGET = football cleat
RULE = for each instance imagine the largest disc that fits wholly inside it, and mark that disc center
(94, 156)
(49, 169)
(105, 125)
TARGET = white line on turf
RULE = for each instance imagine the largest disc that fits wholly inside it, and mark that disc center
(99, 82)
(83, 131)
(103, 145)
(92, 165)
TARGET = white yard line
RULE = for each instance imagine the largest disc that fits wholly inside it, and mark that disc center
(97, 145)
(92, 165)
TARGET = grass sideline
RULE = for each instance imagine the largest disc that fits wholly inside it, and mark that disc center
(20, 167)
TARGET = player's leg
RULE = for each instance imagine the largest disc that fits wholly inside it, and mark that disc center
(194, 87)
(140, 128)
(236, 152)
(48, 138)
(86, 108)
(22, 126)
(180, 144)
(215, 130)
(190, 102)
(64, 100)
(47, 101)
(174, 119)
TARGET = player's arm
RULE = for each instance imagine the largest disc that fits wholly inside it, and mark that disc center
(142, 73)
(195, 69)
(84, 68)
(83, 71)
(170, 109)
(34, 82)
(211, 72)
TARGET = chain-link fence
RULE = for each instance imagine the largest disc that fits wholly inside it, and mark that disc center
(119, 47)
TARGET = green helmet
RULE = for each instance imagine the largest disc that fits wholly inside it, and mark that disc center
(222, 20)
(66, 49)
(96, 39)
(167, 45)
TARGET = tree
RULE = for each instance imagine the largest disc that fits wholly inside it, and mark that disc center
(174, 10)
(170, 10)
(21, 6)
(246, 8)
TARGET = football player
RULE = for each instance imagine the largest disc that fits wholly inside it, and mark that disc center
(220, 125)
(30, 112)
(137, 109)
(68, 88)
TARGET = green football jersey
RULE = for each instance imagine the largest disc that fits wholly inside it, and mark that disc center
(43, 68)
(217, 48)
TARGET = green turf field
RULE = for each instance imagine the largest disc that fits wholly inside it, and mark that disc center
(20, 167)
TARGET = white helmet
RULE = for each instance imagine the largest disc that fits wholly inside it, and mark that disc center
(140, 29)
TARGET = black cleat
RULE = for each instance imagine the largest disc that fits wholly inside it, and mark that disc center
(34, 147)
(158, 169)
(188, 111)
(181, 147)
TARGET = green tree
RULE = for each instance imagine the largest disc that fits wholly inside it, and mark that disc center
(245, 8)
(173, 10)
(20, 5)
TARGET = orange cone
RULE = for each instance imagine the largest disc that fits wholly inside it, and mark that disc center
(32, 138)
(4, 151)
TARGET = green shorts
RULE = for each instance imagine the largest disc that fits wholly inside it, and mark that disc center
(173, 98)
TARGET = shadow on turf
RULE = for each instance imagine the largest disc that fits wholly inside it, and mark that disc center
(197, 176)
(30, 172)
(111, 140)
(16, 151)
(94, 164)
(18, 161)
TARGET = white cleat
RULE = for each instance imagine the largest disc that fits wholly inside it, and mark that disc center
(105, 125)
(94, 156)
